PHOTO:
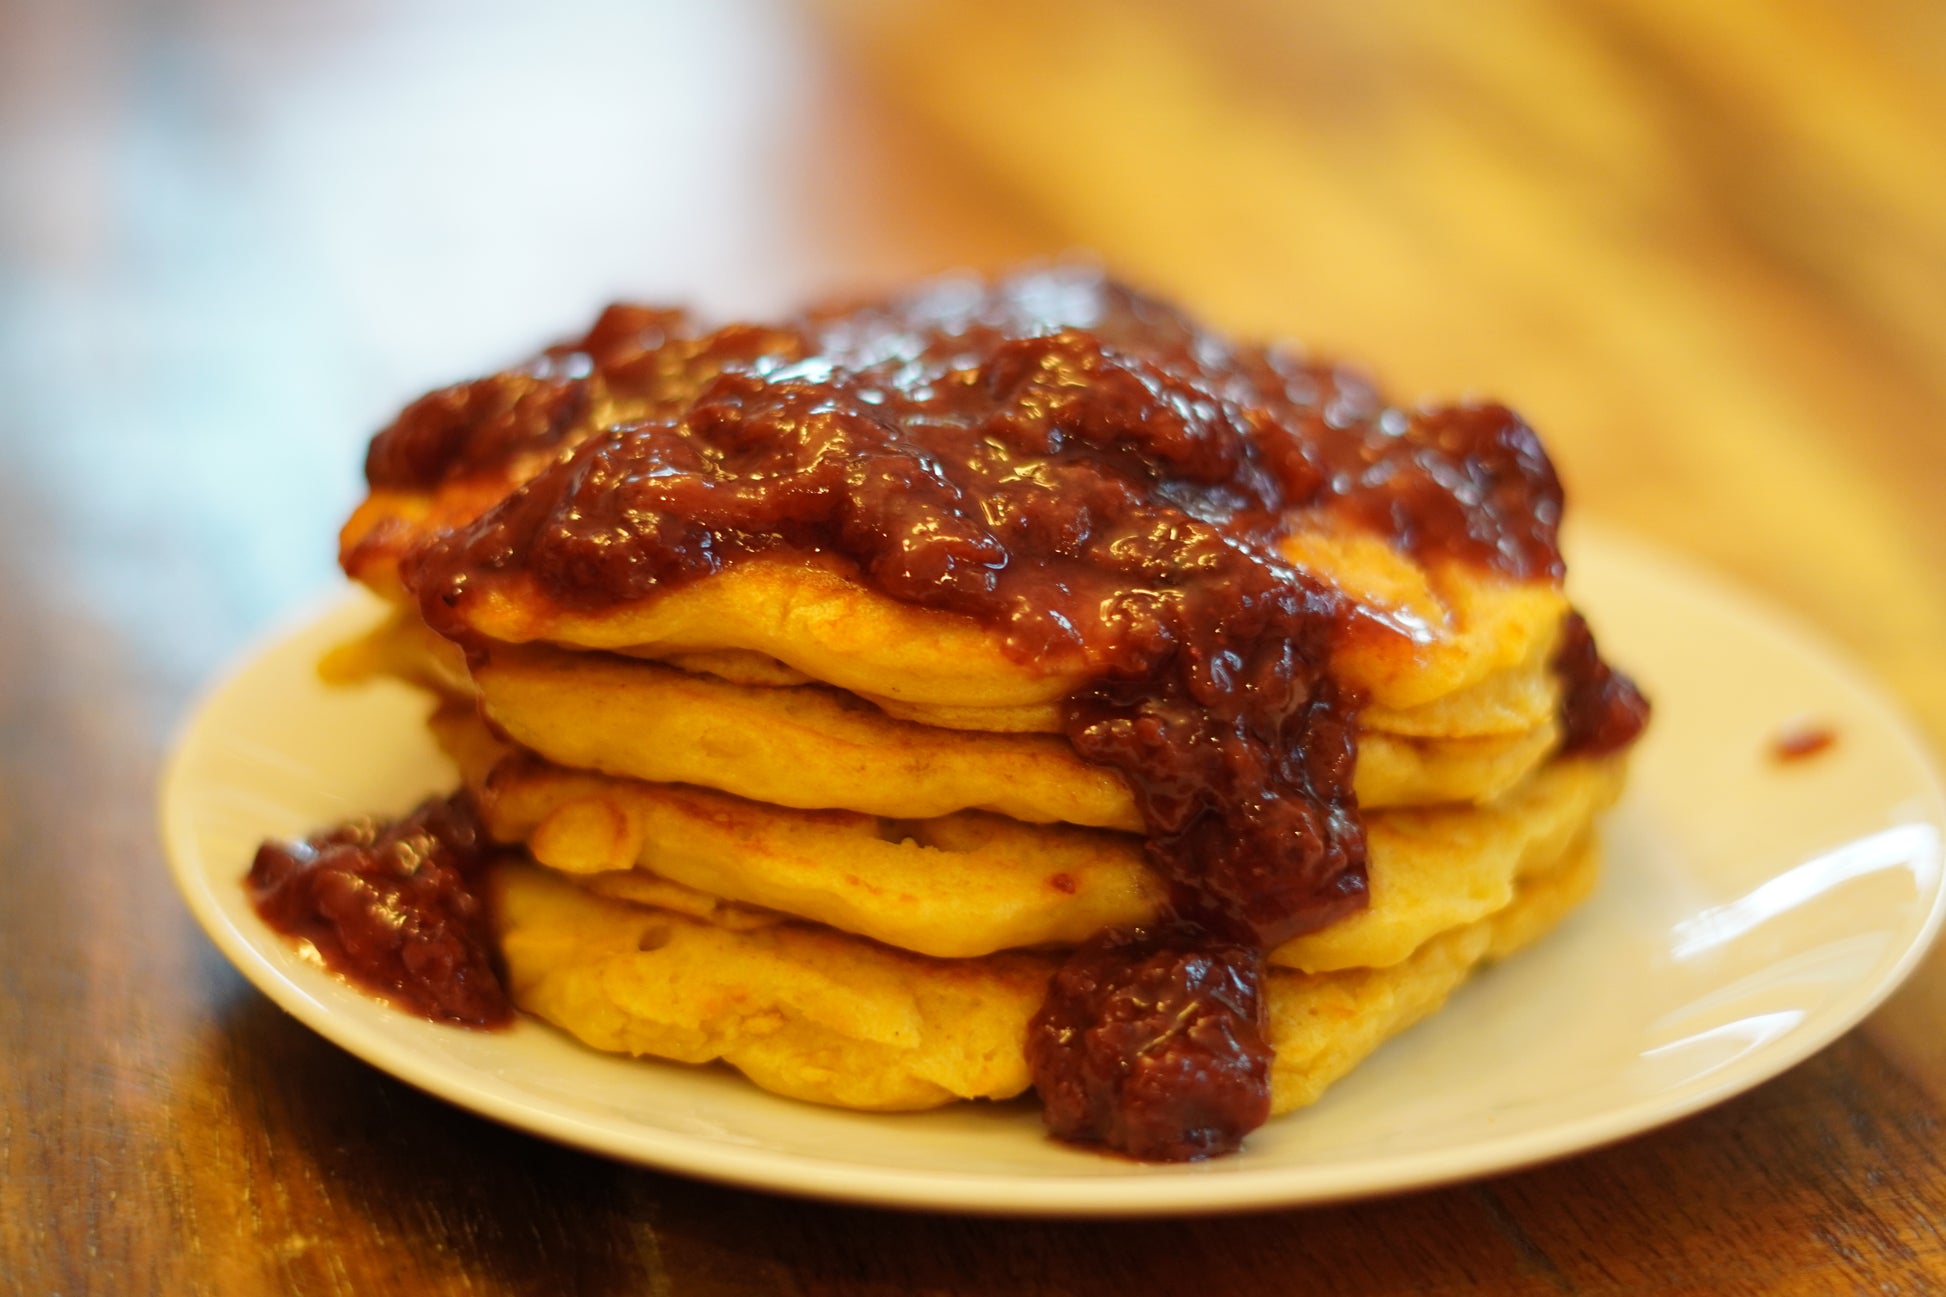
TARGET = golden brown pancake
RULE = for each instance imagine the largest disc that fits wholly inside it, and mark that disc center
(971, 883)
(1448, 626)
(814, 747)
(814, 1014)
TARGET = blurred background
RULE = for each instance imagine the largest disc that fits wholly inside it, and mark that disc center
(1702, 247)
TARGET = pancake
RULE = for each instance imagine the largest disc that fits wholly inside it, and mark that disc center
(1459, 628)
(970, 884)
(1514, 702)
(813, 747)
(812, 1014)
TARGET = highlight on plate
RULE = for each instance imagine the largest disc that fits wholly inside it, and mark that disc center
(1001, 685)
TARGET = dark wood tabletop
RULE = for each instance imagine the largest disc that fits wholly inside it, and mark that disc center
(1702, 247)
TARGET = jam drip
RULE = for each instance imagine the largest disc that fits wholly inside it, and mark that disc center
(1084, 469)
(392, 906)
(1151, 1041)
(1601, 709)
(1240, 752)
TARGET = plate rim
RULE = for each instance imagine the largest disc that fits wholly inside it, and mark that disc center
(1167, 1191)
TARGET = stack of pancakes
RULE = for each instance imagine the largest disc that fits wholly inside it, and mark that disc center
(838, 841)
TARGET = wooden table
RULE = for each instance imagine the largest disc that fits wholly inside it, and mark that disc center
(1702, 246)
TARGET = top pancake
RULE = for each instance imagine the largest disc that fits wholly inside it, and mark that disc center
(552, 489)
(1429, 633)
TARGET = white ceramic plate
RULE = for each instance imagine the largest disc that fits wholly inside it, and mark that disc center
(1751, 912)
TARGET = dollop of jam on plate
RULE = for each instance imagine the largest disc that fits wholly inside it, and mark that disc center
(392, 906)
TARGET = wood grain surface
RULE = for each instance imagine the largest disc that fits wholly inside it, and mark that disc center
(1702, 247)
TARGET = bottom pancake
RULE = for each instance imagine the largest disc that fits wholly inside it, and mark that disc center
(815, 1014)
